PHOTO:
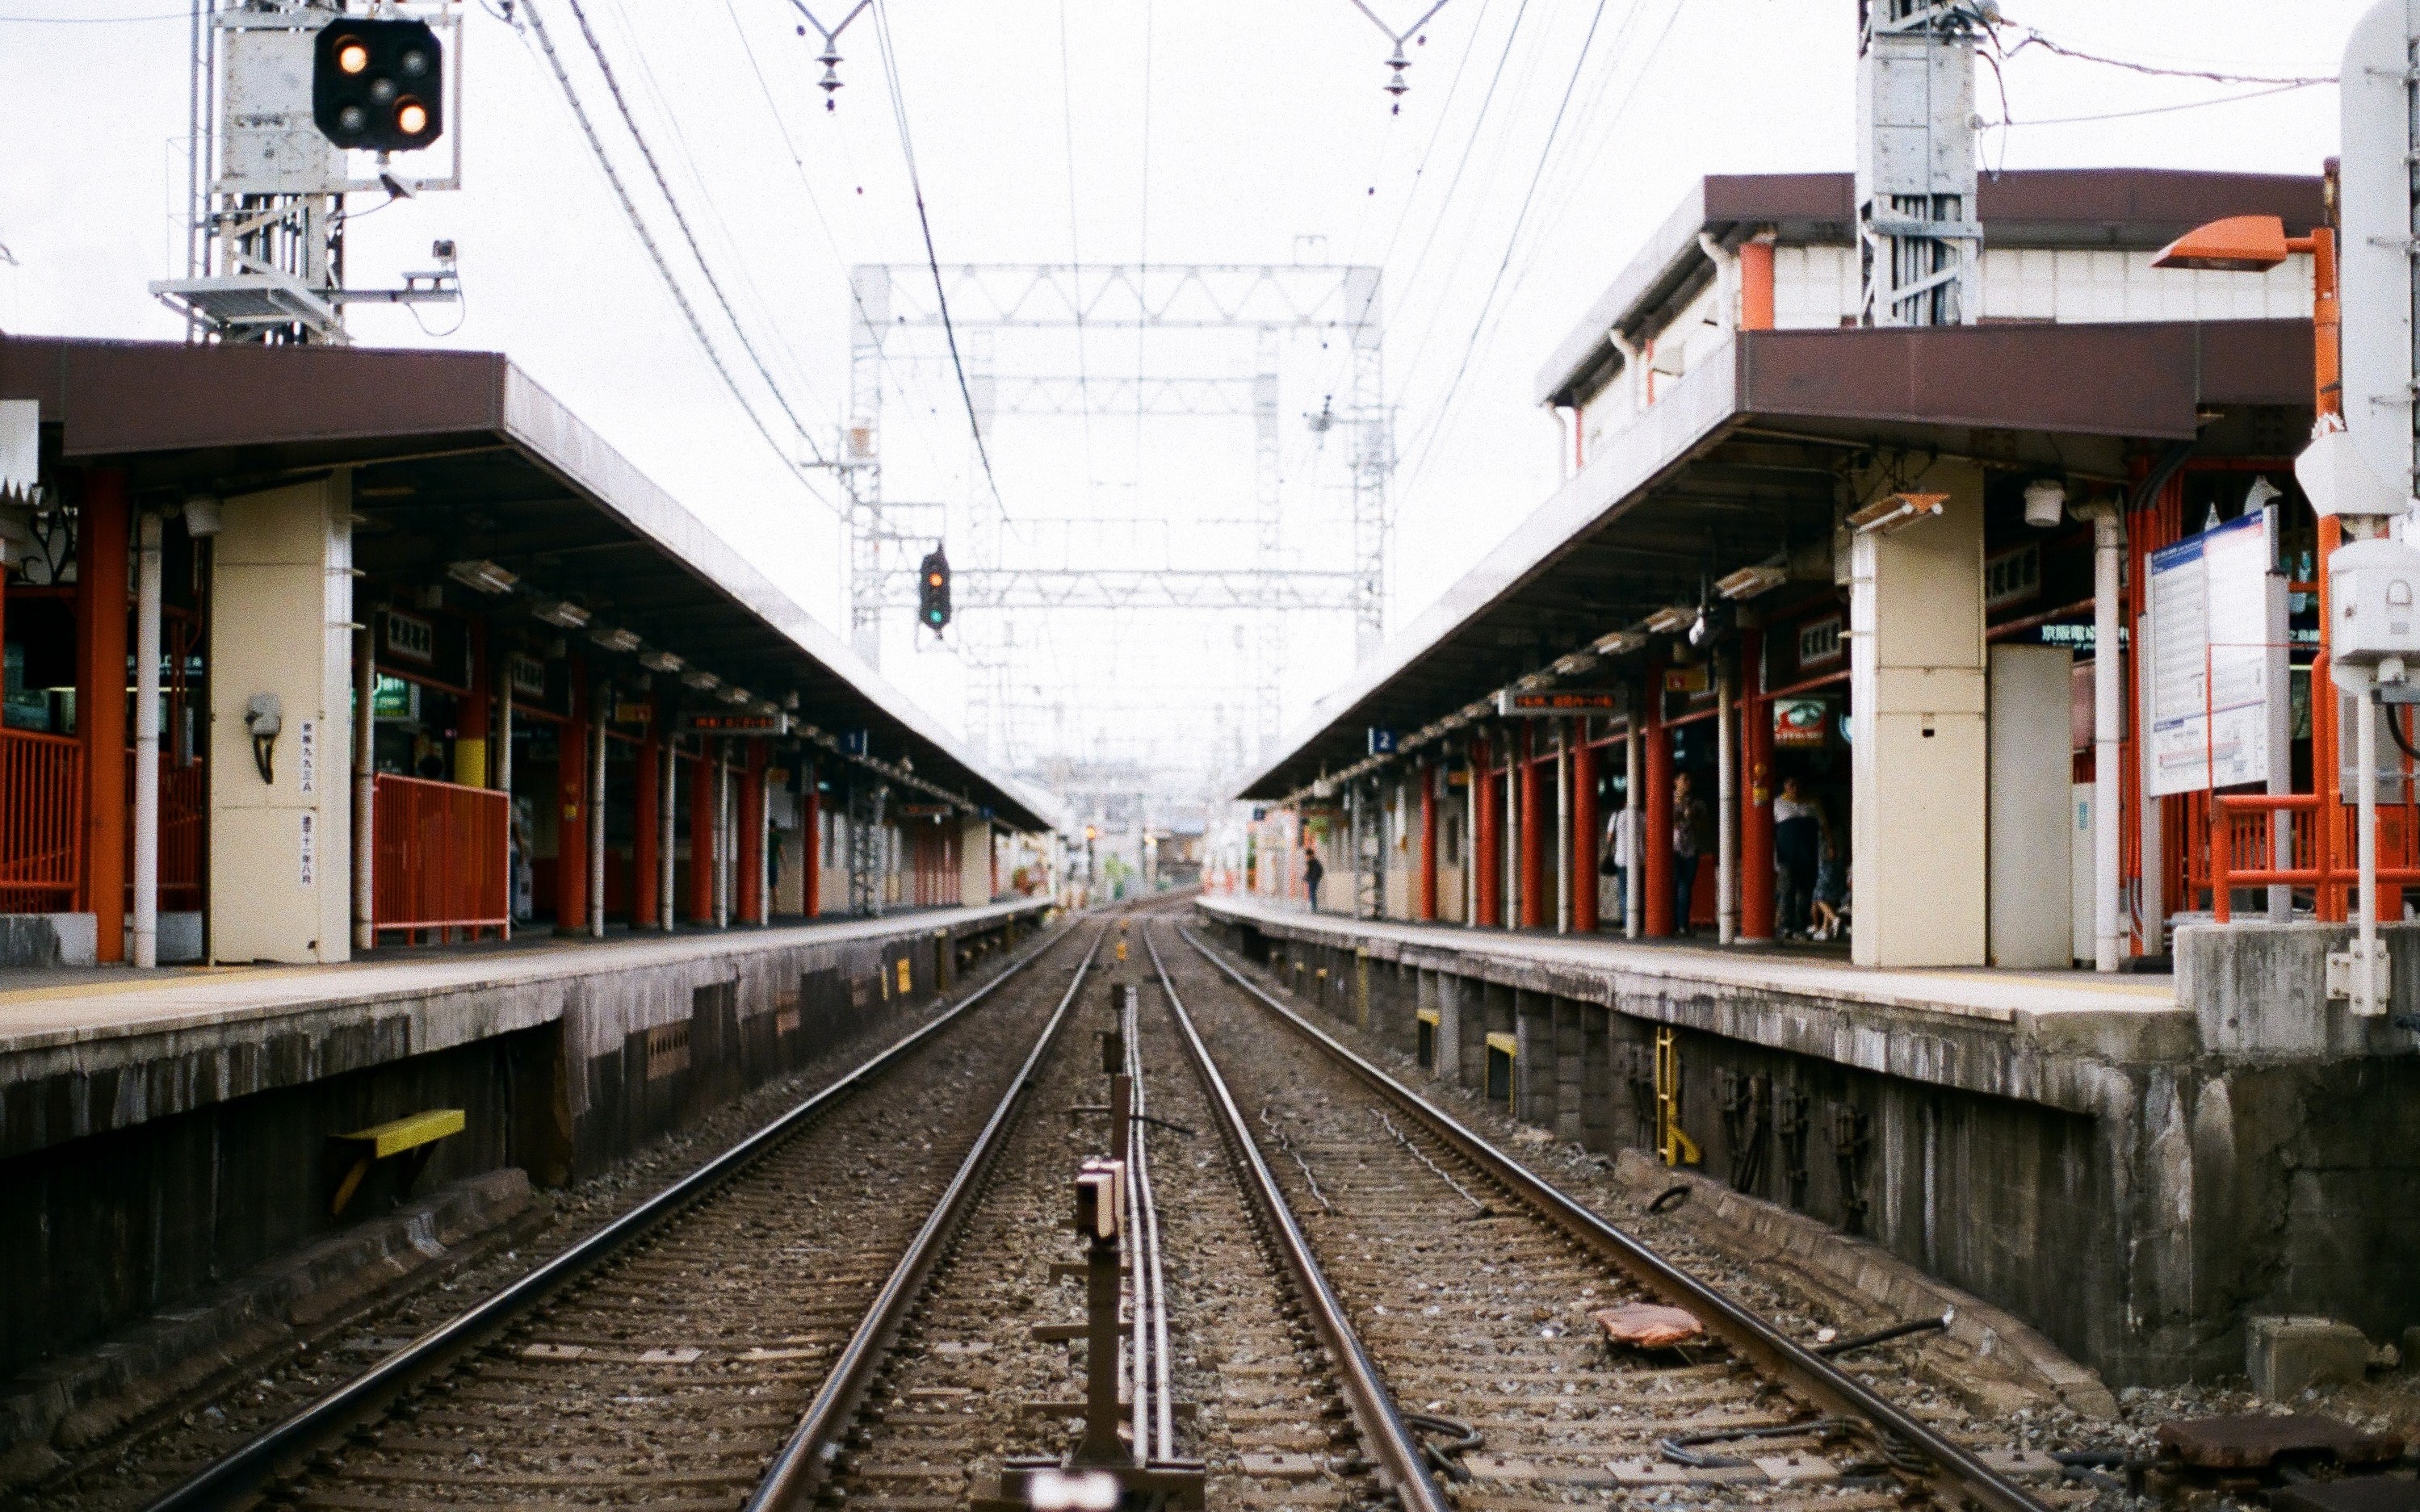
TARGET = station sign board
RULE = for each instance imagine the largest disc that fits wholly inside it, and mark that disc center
(2214, 675)
(1544, 702)
(733, 722)
(924, 811)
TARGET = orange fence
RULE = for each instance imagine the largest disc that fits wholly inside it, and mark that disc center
(2245, 851)
(183, 791)
(41, 821)
(439, 857)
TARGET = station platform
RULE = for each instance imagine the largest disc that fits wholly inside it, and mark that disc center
(161, 1130)
(2132, 1165)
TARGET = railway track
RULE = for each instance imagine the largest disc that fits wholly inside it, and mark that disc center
(664, 1360)
(1472, 1285)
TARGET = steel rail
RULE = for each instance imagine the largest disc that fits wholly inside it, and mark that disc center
(1954, 1471)
(236, 1473)
(1401, 1463)
(800, 1469)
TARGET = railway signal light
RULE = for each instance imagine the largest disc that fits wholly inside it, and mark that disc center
(378, 85)
(933, 590)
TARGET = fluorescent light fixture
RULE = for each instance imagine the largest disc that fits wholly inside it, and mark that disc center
(484, 575)
(1897, 512)
(791, 700)
(1671, 621)
(704, 681)
(766, 707)
(1749, 582)
(202, 519)
(560, 612)
(1621, 644)
(736, 696)
(613, 640)
(662, 661)
(1575, 664)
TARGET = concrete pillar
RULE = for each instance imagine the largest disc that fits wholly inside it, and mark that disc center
(1918, 765)
(470, 714)
(281, 628)
(1756, 923)
(1533, 1062)
(1726, 806)
(147, 742)
(722, 833)
(646, 854)
(571, 810)
(1571, 1072)
(974, 862)
(365, 766)
(1564, 850)
(102, 527)
(1633, 869)
(1598, 1130)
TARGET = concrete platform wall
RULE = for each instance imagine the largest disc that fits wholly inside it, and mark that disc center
(2132, 1197)
(134, 1175)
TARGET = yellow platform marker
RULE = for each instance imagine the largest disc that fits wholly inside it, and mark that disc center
(1676, 1147)
(399, 1136)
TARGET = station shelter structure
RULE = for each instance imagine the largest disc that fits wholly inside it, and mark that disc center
(433, 663)
(1874, 568)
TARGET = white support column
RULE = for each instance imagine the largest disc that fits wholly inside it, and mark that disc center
(2108, 712)
(724, 834)
(1563, 826)
(1726, 809)
(1511, 863)
(667, 778)
(599, 724)
(147, 742)
(1470, 841)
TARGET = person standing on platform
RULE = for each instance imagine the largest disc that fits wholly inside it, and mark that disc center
(1620, 854)
(1312, 872)
(1798, 845)
(1690, 823)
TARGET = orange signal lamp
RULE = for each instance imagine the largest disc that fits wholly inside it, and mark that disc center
(352, 57)
(2238, 244)
(411, 117)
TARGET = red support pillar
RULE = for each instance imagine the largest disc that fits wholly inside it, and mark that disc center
(1485, 830)
(1426, 906)
(571, 806)
(1586, 836)
(752, 835)
(1756, 794)
(1531, 792)
(811, 825)
(701, 833)
(1656, 811)
(101, 528)
(646, 858)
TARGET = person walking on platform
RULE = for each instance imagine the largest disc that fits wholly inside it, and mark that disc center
(1620, 854)
(1312, 872)
(1690, 823)
(1798, 845)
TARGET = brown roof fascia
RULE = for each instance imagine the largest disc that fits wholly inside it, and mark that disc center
(121, 399)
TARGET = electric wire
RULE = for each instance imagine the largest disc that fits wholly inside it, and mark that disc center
(932, 258)
(681, 219)
(1511, 241)
(2035, 39)
(2161, 110)
(655, 252)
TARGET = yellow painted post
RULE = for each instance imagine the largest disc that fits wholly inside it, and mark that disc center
(1676, 1148)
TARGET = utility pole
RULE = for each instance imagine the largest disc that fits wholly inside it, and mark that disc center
(1918, 233)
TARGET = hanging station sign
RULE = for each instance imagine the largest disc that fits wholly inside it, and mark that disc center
(1539, 703)
(733, 722)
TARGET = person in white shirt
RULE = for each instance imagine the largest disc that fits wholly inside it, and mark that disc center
(1620, 853)
(1797, 845)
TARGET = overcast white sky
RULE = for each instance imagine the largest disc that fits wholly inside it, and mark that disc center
(1173, 132)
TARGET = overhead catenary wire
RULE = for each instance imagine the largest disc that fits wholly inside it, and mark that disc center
(931, 258)
(655, 253)
(1512, 243)
(655, 169)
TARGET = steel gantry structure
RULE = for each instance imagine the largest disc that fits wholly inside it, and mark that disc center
(983, 298)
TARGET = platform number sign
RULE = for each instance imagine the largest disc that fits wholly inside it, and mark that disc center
(1382, 742)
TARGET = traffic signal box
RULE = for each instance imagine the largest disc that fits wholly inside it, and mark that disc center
(378, 85)
(933, 590)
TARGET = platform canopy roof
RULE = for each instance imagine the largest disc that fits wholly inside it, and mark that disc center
(1745, 460)
(461, 456)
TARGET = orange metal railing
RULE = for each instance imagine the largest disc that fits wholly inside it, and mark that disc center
(41, 821)
(183, 791)
(439, 857)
